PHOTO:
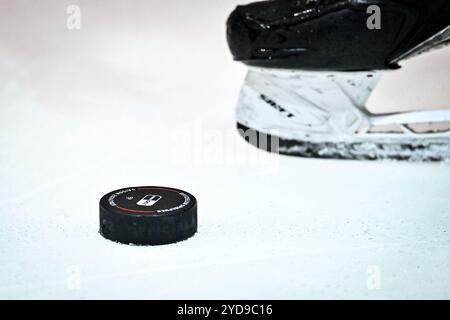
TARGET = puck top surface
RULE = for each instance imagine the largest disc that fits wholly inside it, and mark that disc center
(147, 201)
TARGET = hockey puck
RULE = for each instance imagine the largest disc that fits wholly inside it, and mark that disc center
(148, 215)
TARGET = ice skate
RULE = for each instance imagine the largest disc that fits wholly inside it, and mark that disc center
(313, 66)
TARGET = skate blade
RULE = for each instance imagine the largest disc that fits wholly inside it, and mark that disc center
(418, 151)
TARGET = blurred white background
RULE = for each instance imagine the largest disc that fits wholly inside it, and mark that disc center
(143, 94)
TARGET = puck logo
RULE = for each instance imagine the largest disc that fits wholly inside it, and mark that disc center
(149, 200)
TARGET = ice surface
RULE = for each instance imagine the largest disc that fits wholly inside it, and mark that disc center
(138, 97)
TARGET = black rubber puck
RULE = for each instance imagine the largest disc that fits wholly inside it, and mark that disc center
(148, 215)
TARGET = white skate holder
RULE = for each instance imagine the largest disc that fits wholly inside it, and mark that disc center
(325, 113)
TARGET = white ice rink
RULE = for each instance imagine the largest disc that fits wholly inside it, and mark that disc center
(144, 94)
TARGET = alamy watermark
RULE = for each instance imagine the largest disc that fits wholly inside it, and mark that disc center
(374, 278)
(73, 21)
(73, 280)
(200, 145)
(374, 20)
